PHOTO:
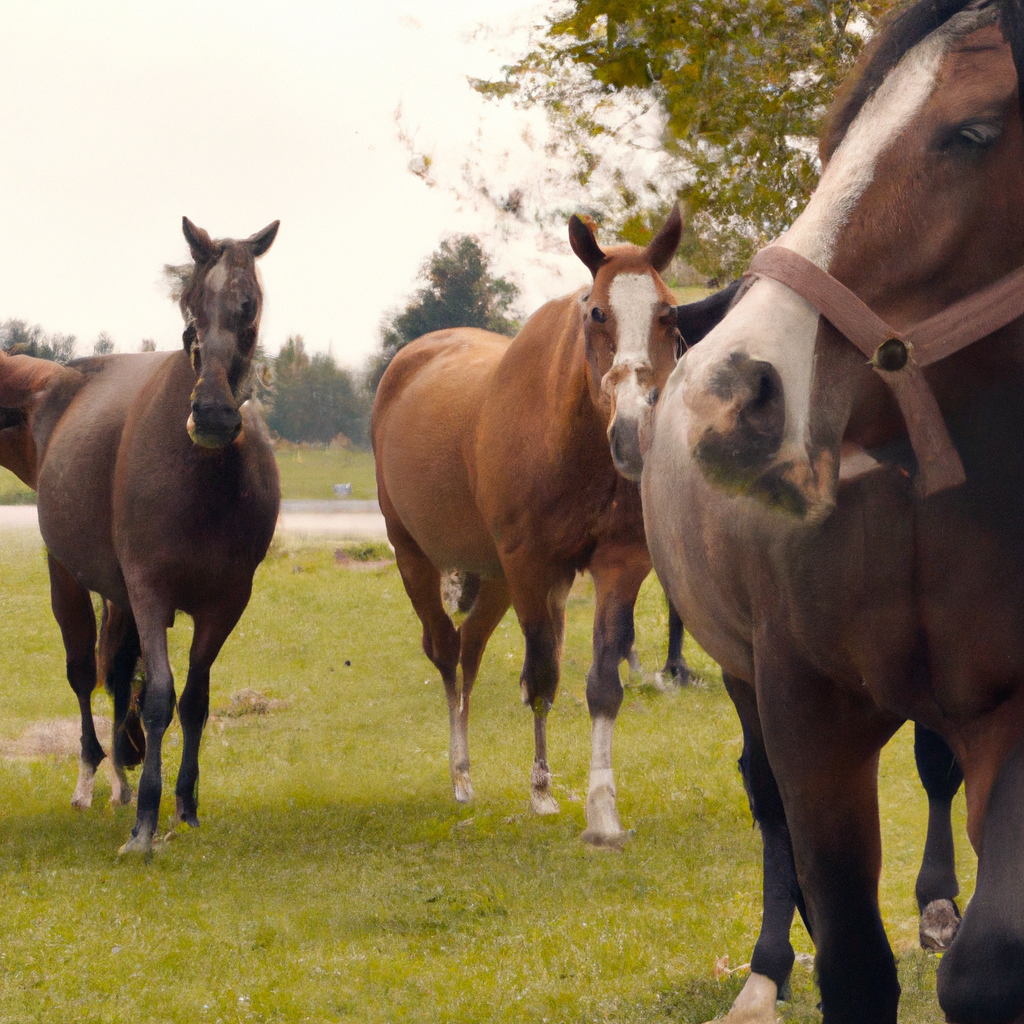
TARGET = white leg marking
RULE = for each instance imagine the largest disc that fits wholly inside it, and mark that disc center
(755, 1004)
(120, 788)
(82, 796)
(603, 825)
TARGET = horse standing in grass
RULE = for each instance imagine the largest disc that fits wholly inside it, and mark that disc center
(834, 497)
(157, 489)
(499, 459)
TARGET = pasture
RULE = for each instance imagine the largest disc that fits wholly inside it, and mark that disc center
(334, 878)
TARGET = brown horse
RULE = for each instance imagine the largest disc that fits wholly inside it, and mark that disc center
(809, 516)
(159, 491)
(499, 458)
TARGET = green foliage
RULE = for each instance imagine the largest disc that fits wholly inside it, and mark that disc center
(741, 86)
(103, 345)
(18, 338)
(459, 291)
(334, 879)
(313, 399)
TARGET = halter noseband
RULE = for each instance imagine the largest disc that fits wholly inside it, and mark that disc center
(898, 357)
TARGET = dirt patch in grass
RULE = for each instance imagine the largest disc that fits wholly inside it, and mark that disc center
(365, 555)
(248, 701)
(54, 737)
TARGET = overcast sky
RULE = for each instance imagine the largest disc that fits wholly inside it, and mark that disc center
(118, 117)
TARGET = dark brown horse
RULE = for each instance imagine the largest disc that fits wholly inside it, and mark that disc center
(159, 491)
(499, 458)
(812, 523)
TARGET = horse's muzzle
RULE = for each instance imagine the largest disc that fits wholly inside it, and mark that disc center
(624, 442)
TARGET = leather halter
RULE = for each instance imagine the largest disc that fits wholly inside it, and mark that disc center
(965, 322)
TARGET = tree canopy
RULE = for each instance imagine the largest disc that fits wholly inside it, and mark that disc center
(313, 399)
(741, 86)
(459, 291)
(17, 337)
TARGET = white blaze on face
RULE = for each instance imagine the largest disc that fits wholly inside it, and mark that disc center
(773, 323)
(633, 299)
(217, 277)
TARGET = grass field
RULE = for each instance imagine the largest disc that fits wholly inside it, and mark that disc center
(334, 879)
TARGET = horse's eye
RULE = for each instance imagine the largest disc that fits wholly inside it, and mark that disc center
(599, 315)
(979, 134)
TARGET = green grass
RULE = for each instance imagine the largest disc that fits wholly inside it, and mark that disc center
(13, 491)
(334, 878)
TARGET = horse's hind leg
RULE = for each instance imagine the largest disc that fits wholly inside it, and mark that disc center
(485, 613)
(772, 960)
(440, 644)
(618, 572)
(213, 625)
(72, 608)
(937, 887)
(119, 651)
(676, 670)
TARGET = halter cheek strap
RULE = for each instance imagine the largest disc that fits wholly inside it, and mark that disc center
(898, 357)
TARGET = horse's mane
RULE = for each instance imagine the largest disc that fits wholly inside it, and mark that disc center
(899, 35)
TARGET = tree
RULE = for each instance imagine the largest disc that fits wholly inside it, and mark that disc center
(103, 345)
(741, 86)
(459, 291)
(17, 338)
(312, 399)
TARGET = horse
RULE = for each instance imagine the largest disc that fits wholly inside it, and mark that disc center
(833, 497)
(157, 489)
(498, 458)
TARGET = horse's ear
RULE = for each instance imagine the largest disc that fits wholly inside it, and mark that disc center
(200, 244)
(260, 242)
(662, 247)
(584, 244)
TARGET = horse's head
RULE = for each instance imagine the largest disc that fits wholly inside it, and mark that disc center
(629, 325)
(917, 207)
(221, 302)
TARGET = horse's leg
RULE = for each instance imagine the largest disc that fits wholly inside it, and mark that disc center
(981, 976)
(152, 618)
(823, 744)
(440, 644)
(491, 603)
(72, 608)
(213, 625)
(772, 960)
(118, 655)
(539, 601)
(937, 887)
(618, 572)
(675, 668)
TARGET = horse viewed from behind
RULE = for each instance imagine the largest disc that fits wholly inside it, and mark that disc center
(158, 490)
(834, 495)
(500, 459)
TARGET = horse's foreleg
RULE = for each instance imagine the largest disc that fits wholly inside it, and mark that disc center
(153, 620)
(676, 670)
(823, 743)
(441, 643)
(618, 572)
(540, 606)
(772, 960)
(118, 655)
(212, 628)
(490, 604)
(937, 887)
(72, 608)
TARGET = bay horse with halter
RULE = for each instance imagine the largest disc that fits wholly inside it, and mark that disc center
(158, 490)
(834, 495)
(498, 458)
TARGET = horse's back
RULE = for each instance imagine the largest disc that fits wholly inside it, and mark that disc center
(423, 429)
(79, 445)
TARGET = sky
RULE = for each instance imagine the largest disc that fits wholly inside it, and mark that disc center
(116, 118)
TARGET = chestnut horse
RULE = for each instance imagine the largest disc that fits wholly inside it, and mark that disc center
(159, 491)
(846, 538)
(498, 458)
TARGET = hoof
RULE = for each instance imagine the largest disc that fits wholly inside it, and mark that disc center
(672, 675)
(542, 802)
(939, 923)
(82, 796)
(81, 801)
(463, 788)
(138, 842)
(607, 840)
(754, 1005)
